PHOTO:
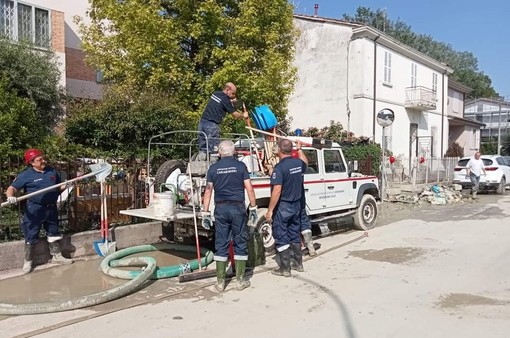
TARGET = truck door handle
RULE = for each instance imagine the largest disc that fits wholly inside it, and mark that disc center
(306, 189)
(331, 187)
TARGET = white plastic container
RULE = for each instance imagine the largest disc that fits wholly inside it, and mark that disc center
(164, 204)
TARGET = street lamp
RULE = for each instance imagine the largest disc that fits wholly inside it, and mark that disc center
(385, 119)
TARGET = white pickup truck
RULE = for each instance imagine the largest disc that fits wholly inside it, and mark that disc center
(332, 191)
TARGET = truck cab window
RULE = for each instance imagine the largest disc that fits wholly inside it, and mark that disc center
(333, 162)
(313, 164)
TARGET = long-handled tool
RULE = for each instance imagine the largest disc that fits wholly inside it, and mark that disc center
(100, 170)
(104, 247)
(248, 123)
(201, 273)
(316, 142)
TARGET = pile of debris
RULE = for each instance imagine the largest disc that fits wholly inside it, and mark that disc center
(435, 194)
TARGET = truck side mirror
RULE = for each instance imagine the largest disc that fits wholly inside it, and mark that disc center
(353, 166)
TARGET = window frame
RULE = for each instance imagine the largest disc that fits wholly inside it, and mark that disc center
(311, 164)
(342, 168)
(387, 67)
(414, 75)
(14, 24)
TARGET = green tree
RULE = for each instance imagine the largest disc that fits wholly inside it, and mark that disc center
(33, 74)
(191, 48)
(18, 122)
(465, 64)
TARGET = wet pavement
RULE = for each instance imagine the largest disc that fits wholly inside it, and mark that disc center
(54, 283)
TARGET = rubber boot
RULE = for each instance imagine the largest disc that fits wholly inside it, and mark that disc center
(57, 254)
(27, 263)
(474, 194)
(283, 260)
(297, 260)
(221, 271)
(307, 237)
(242, 283)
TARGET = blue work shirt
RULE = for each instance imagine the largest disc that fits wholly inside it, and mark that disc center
(32, 180)
(289, 174)
(227, 176)
(219, 104)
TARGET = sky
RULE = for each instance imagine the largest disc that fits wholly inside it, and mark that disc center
(479, 27)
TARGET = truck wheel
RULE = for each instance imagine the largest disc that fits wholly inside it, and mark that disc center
(168, 169)
(266, 231)
(366, 215)
(501, 186)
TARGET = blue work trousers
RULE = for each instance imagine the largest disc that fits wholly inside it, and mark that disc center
(230, 223)
(212, 130)
(304, 221)
(287, 224)
(37, 215)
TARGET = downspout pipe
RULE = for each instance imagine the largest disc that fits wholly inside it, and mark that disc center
(375, 88)
(442, 115)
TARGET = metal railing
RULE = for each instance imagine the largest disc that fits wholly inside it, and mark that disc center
(80, 211)
(420, 98)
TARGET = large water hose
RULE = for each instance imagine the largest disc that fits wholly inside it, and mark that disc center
(88, 300)
(110, 263)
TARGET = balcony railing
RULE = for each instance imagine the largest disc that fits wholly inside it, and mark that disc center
(420, 98)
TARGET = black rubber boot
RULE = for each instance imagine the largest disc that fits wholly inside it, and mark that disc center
(283, 260)
(297, 260)
(242, 283)
(27, 263)
(221, 271)
(57, 254)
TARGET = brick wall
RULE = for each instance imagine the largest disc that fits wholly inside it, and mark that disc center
(57, 31)
(76, 68)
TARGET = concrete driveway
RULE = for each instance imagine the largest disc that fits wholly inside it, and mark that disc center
(438, 271)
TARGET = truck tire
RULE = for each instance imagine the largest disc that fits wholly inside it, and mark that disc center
(266, 231)
(165, 170)
(366, 215)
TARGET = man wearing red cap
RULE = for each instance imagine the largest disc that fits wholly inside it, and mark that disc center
(41, 209)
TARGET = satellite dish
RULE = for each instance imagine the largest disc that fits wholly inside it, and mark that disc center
(385, 117)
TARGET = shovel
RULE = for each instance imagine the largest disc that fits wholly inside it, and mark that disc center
(100, 170)
(104, 247)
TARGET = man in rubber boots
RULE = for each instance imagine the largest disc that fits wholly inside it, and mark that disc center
(220, 103)
(229, 178)
(285, 205)
(41, 209)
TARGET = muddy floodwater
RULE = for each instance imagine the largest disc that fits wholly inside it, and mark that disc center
(69, 281)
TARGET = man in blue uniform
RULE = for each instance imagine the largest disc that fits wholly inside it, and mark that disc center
(41, 209)
(285, 205)
(220, 103)
(229, 178)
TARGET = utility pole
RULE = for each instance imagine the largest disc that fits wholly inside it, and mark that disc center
(499, 130)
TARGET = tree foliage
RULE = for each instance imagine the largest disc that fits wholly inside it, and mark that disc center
(18, 122)
(454, 150)
(124, 120)
(33, 75)
(465, 64)
(189, 48)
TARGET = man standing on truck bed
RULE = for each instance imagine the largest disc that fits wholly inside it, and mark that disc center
(229, 177)
(285, 204)
(220, 103)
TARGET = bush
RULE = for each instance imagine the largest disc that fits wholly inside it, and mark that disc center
(454, 150)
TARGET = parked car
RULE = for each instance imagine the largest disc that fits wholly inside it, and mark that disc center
(496, 167)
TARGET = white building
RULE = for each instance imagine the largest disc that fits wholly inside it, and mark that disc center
(465, 132)
(495, 114)
(49, 24)
(349, 72)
